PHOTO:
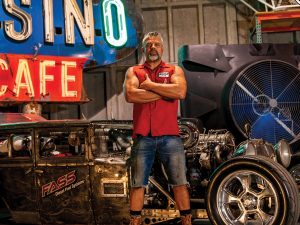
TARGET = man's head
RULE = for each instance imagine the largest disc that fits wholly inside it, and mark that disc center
(152, 46)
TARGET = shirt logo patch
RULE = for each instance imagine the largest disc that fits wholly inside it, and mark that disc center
(164, 74)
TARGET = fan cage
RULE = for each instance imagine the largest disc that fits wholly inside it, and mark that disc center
(266, 94)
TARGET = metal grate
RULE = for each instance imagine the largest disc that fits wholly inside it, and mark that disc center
(113, 188)
(266, 94)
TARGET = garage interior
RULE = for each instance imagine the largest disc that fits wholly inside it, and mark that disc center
(265, 26)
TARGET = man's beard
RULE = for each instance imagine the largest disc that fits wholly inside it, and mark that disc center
(154, 58)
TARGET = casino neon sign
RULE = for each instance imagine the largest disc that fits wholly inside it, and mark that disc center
(45, 44)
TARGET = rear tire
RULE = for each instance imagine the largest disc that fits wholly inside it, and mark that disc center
(252, 190)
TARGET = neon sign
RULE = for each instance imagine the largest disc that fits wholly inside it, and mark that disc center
(78, 28)
(45, 44)
(47, 78)
(107, 6)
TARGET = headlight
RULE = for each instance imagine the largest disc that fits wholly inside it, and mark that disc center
(21, 142)
(283, 153)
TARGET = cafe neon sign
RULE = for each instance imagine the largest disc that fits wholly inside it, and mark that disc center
(44, 45)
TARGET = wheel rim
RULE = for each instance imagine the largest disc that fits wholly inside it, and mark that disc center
(246, 197)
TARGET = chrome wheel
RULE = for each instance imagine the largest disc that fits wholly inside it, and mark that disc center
(247, 198)
(252, 190)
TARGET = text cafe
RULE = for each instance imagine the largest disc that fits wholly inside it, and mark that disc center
(45, 45)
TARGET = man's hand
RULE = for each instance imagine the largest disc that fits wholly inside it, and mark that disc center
(176, 89)
(133, 93)
(147, 83)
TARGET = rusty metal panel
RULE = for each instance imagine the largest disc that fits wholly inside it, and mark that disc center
(110, 193)
(16, 161)
(65, 195)
(63, 181)
(214, 24)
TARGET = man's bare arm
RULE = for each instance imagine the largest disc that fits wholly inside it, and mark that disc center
(133, 93)
(175, 90)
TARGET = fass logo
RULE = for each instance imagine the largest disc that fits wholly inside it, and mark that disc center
(59, 184)
(100, 31)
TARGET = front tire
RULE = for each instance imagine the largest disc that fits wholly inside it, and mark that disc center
(252, 190)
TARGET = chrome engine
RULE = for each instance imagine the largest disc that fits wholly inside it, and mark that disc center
(204, 152)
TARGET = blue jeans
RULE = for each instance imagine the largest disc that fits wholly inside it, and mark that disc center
(170, 152)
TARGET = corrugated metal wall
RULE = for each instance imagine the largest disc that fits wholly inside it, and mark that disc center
(180, 22)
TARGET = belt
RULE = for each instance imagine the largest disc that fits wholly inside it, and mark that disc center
(148, 135)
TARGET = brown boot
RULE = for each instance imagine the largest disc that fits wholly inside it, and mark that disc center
(135, 220)
(186, 220)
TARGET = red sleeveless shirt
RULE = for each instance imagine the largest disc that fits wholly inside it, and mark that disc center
(159, 117)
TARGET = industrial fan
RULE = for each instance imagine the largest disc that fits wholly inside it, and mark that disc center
(266, 94)
(231, 85)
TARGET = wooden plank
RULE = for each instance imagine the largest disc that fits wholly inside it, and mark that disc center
(96, 91)
(215, 31)
(231, 25)
(185, 31)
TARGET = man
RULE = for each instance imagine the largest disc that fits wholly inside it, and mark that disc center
(155, 88)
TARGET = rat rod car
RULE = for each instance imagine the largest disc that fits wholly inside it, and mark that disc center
(76, 172)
